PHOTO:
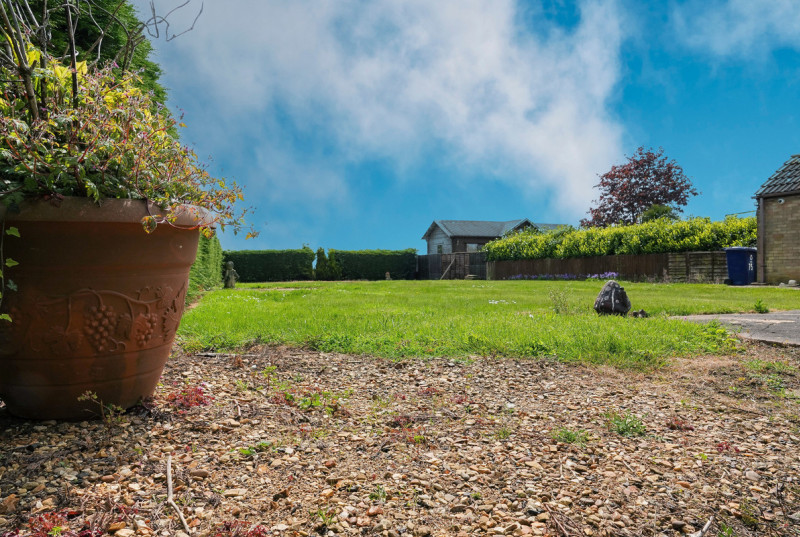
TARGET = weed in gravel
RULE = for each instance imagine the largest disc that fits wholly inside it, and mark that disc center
(326, 518)
(502, 433)
(112, 415)
(725, 446)
(257, 448)
(725, 531)
(749, 517)
(188, 396)
(676, 423)
(764, 366)
(773, 383)
(268, 374)
(53, 524)
(568, 436)
(459, 399)
(313, 399)
(625, 424)
(379, 494)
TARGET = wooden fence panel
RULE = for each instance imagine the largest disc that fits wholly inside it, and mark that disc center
(681, 267)
(452, 266)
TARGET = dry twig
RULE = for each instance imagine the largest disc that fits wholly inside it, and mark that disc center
(169, 494)
(705, 528)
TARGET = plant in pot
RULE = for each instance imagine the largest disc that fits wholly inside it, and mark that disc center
(108, 206)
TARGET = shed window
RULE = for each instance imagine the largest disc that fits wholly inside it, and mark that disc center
(473, 247)
(439, 249)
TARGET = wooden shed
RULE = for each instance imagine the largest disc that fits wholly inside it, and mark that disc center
(778, 258)
(455, 236)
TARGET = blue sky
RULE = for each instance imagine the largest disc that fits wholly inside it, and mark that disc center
(355, 124)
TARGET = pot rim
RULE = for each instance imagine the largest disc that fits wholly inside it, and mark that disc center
(109, 210)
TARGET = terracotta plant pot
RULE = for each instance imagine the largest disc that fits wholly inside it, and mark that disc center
(96, 308)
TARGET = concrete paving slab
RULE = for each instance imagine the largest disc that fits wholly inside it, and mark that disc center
(774, 327)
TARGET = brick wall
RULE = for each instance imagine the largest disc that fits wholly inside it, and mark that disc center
(780, 236)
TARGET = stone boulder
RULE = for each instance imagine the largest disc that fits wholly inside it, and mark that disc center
(612, 300)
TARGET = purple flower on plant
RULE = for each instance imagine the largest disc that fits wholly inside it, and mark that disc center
(566, 276)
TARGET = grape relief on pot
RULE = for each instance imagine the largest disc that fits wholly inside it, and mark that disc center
(90, 321)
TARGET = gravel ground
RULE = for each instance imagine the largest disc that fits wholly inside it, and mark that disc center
(290, 442)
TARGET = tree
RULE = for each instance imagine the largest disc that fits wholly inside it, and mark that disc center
(322, 271)
(657, 212)
(105, 31)
(98, 32)
(628, 190)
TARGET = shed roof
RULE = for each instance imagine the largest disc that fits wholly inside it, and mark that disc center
(783, 181)
(481, 228)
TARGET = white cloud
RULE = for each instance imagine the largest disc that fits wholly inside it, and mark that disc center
(742, 28)
(391, 80)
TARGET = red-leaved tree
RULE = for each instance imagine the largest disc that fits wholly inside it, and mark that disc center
(627, 190)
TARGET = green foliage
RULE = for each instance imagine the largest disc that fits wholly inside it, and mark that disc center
(106, 142)
(503, 433)
(6, 262)
(658, 211)
(762, 366)
(379, 494)
(568, 436)
(206, 272)
(326, 268)
(658, 236)
(625, 424)
(374, 264)
(272, 265)
(760, 307)
(93, 20)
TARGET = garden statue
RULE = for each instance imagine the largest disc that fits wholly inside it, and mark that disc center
(231, 276)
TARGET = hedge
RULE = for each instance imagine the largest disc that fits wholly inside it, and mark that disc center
(206, 272)
(658, 236)
(374, 264)
(272, 265)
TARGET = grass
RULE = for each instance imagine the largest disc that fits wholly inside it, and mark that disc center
(460, 319)
(625, 424)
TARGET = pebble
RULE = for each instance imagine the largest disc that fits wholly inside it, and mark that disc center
(461, 481)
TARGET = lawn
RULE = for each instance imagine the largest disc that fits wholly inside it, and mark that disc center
(461, 319)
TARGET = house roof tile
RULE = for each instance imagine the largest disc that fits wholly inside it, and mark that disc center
(786, 179)
(482, 228)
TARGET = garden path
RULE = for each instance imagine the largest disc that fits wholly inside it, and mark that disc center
(773, 327)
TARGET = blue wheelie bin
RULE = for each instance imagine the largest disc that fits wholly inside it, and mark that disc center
(741, 265)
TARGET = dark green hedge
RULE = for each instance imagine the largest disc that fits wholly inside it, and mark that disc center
(374, 264)
(272, 265)
(206, 272)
